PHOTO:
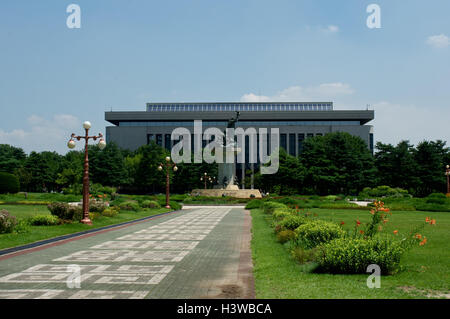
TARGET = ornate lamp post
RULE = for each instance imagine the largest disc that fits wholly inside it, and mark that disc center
(207, 178)
(101, 145)
(447, 172)
(167, 166)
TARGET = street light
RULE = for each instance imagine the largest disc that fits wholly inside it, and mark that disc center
(167, 165)
(447, 172)
(207, 178)
(71, 145)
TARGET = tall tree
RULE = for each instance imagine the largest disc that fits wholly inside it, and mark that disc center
(431, 159)
(107, 166)
(337, 163)
(11, 158)
(396, 165)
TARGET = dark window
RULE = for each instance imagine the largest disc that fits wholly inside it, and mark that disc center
(167, 142)
(319, 134)
(159, 139)
(150, 137)
(292, 144)
(283, 141)
(371, 142)
(301, 138)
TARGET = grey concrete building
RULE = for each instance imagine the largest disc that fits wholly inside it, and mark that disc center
(296, 121)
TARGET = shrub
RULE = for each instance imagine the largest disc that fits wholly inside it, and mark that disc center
(285, 236)
(65, 211)
(7, 222)
(281, 213)
(314, 233)
(150, 204)
(352, 256)
(110, 211)
(270, 206)
(175, 205)
(9, 183)
(44, 220)
(341, 205)
(302, 255)
(436, 198)
(292, 222)
(96, 206)
(129, 205)
(382, 191)
(254, 203)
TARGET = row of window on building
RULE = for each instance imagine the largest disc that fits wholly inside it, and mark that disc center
(242, 107)
(292, 142)
(239, 123)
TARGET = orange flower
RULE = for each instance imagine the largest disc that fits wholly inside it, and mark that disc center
(342, 222)
(395, 232)
(358, 223)
(433, 222)
(418, 236)
(423, 242)
(372, 212)
(427, 220)
(99, 196)
(385, 221)
(361, 231)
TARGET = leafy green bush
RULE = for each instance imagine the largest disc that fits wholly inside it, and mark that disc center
(150, 204)
(340, 205)
(129, 205)
(44, 220)
(382, 191)
(270, 206)
(7, 222)
(281, 213)
(97, 206)
(436, 198)
(254, 203)
(285, 236)
(110, 211)
(302, 255)
(175, 205)
(9, 183)
(352, 256)
(427, 207)
(316, 232)
(292, 222)
(65, 211)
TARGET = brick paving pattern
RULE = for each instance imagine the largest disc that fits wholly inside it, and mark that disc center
(196, 253)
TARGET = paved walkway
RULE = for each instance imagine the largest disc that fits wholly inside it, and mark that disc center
(195, 253)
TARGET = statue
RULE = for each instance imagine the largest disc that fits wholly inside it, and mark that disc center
(227, 171)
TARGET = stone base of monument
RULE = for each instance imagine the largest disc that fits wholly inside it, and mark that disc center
(237, 193)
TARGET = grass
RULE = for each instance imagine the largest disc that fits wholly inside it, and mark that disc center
(37, 233)
(277, 275)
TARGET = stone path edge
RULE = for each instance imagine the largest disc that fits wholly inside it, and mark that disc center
(46, 243)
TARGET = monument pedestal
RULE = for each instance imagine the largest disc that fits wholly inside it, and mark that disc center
(233, 192)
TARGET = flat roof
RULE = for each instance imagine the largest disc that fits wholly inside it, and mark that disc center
(363, 116)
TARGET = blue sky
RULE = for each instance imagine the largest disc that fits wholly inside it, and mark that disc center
(127, 53)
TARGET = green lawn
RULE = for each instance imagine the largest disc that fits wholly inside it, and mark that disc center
(37, 233)
(277, 275)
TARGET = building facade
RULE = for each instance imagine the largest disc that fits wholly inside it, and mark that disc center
(296, 122)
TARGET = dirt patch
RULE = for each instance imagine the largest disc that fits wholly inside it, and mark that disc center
(428, 293)
(230, 292)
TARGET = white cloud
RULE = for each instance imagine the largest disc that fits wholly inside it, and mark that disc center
(333, 28)
(439, 41)
(322, 92)
(44, 134)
